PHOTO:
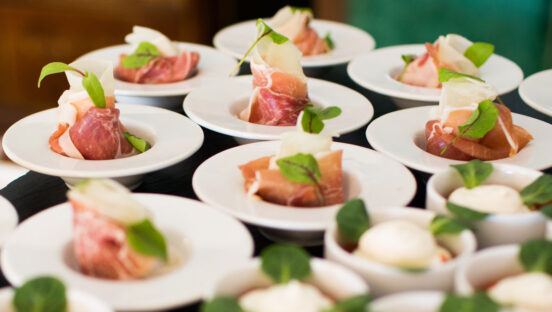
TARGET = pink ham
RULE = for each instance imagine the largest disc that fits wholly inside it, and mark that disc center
(160, 69)
(421, 72)
(309, 43)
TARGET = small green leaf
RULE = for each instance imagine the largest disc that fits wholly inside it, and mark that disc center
(538, 192)
(144, 53)
(547, 211)
(300, 9)
(474, 172)
(222, 304)
(536, 256)
(481, 121)
(329, 41)
(93, 87)
(478, 302)
(413, 270)
(447, 225)
(300, 168)
(479, 52)
(353, 220)
(41, 294)
(408, 58)
(138, 143)
(329, 112)
(283, 263)
(358, 303)
(55, 68)
(311, 122)
(465, 213)
(446, 74)
(144, 238)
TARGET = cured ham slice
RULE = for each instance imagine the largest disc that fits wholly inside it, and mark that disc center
(272, 186)
(421, 72)
(163, 69)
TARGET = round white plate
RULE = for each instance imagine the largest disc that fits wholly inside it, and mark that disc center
(213, 65)
(401, 135)
(173, 138)
(377, 179)
(8, 219)
(349, 41)
(376, 71)
(10, 172)
(217, 108)
(536, 91)
(204, 244)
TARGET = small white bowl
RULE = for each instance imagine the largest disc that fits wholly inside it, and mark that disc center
(8, 219)
(76, 301)
(333, 280)
(496, 229)
(385, 279)
(415, 301)
(536, 91)
(487, 267)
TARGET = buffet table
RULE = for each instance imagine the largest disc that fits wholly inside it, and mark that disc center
(35, 192)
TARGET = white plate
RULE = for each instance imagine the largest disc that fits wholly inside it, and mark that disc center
(379, 180)
(349, 41)
(9, 172)
(213, 65)
(537, 93)
(173, 138)
(204, 244)
(401, 135)
(217, 108)
(8, 219)
(376, 71)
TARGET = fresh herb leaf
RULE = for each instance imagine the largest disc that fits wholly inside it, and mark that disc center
(300, 9)
(41, 294)
(446, 74)
(329, 112)
(144, 53)
(144, 238)
(222, 304)
(547, 211)
(538, 192)
(352, 220)
(138, 143)
(474, 172)
(413, 270)
(311, 121)
(55, 68)
(93, 87)
(329, 41)
(536, 256)
(300, 168)
(479, 52)
(283, 263)
(447, 225)
(478, 302)
(465, 213)
(408, 58)
(354, 304)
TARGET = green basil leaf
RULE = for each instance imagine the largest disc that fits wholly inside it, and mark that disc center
(329, 41)
(140, 144)
(359, 303)
(478, 302)
(222, 304)
(547, 211)
(329, 112)
(446, 74)
(300, 168)
(55, 68)
(413, 270)
(311, 122)
(474, 172)
(41, 294)
(93, 87)
(408, 58)
(479, 52)
(144, 53)
(465, 213)
(447, 225)
(481, 121)
(300, 9)
(538, 192)
(283, 263)
(352, 220)
(144, 238)
(536, 256)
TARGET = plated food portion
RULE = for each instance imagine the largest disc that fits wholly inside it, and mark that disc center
(534, 91)
(398, 249)
(285, 278)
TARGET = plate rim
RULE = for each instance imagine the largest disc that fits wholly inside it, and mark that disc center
(13, 215)
(525, 97)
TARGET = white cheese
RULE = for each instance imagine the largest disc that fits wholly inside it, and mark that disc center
(451, 52)
(163, 44)
(490, 199)
(528, 292)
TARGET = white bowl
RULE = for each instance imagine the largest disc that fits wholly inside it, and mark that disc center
(333, 280)
(8, 219)
(415, 301)
(385, 279)
(496, 229)
(77, 301)
(549, 229)
(536, 91)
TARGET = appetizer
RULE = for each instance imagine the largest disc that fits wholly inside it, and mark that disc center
(293, 22)
(88, 125)
(155, 59)
(288, 267)
(451, 51)
(467, 124)
(114, 236)
(279, 85)
(304, 172)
